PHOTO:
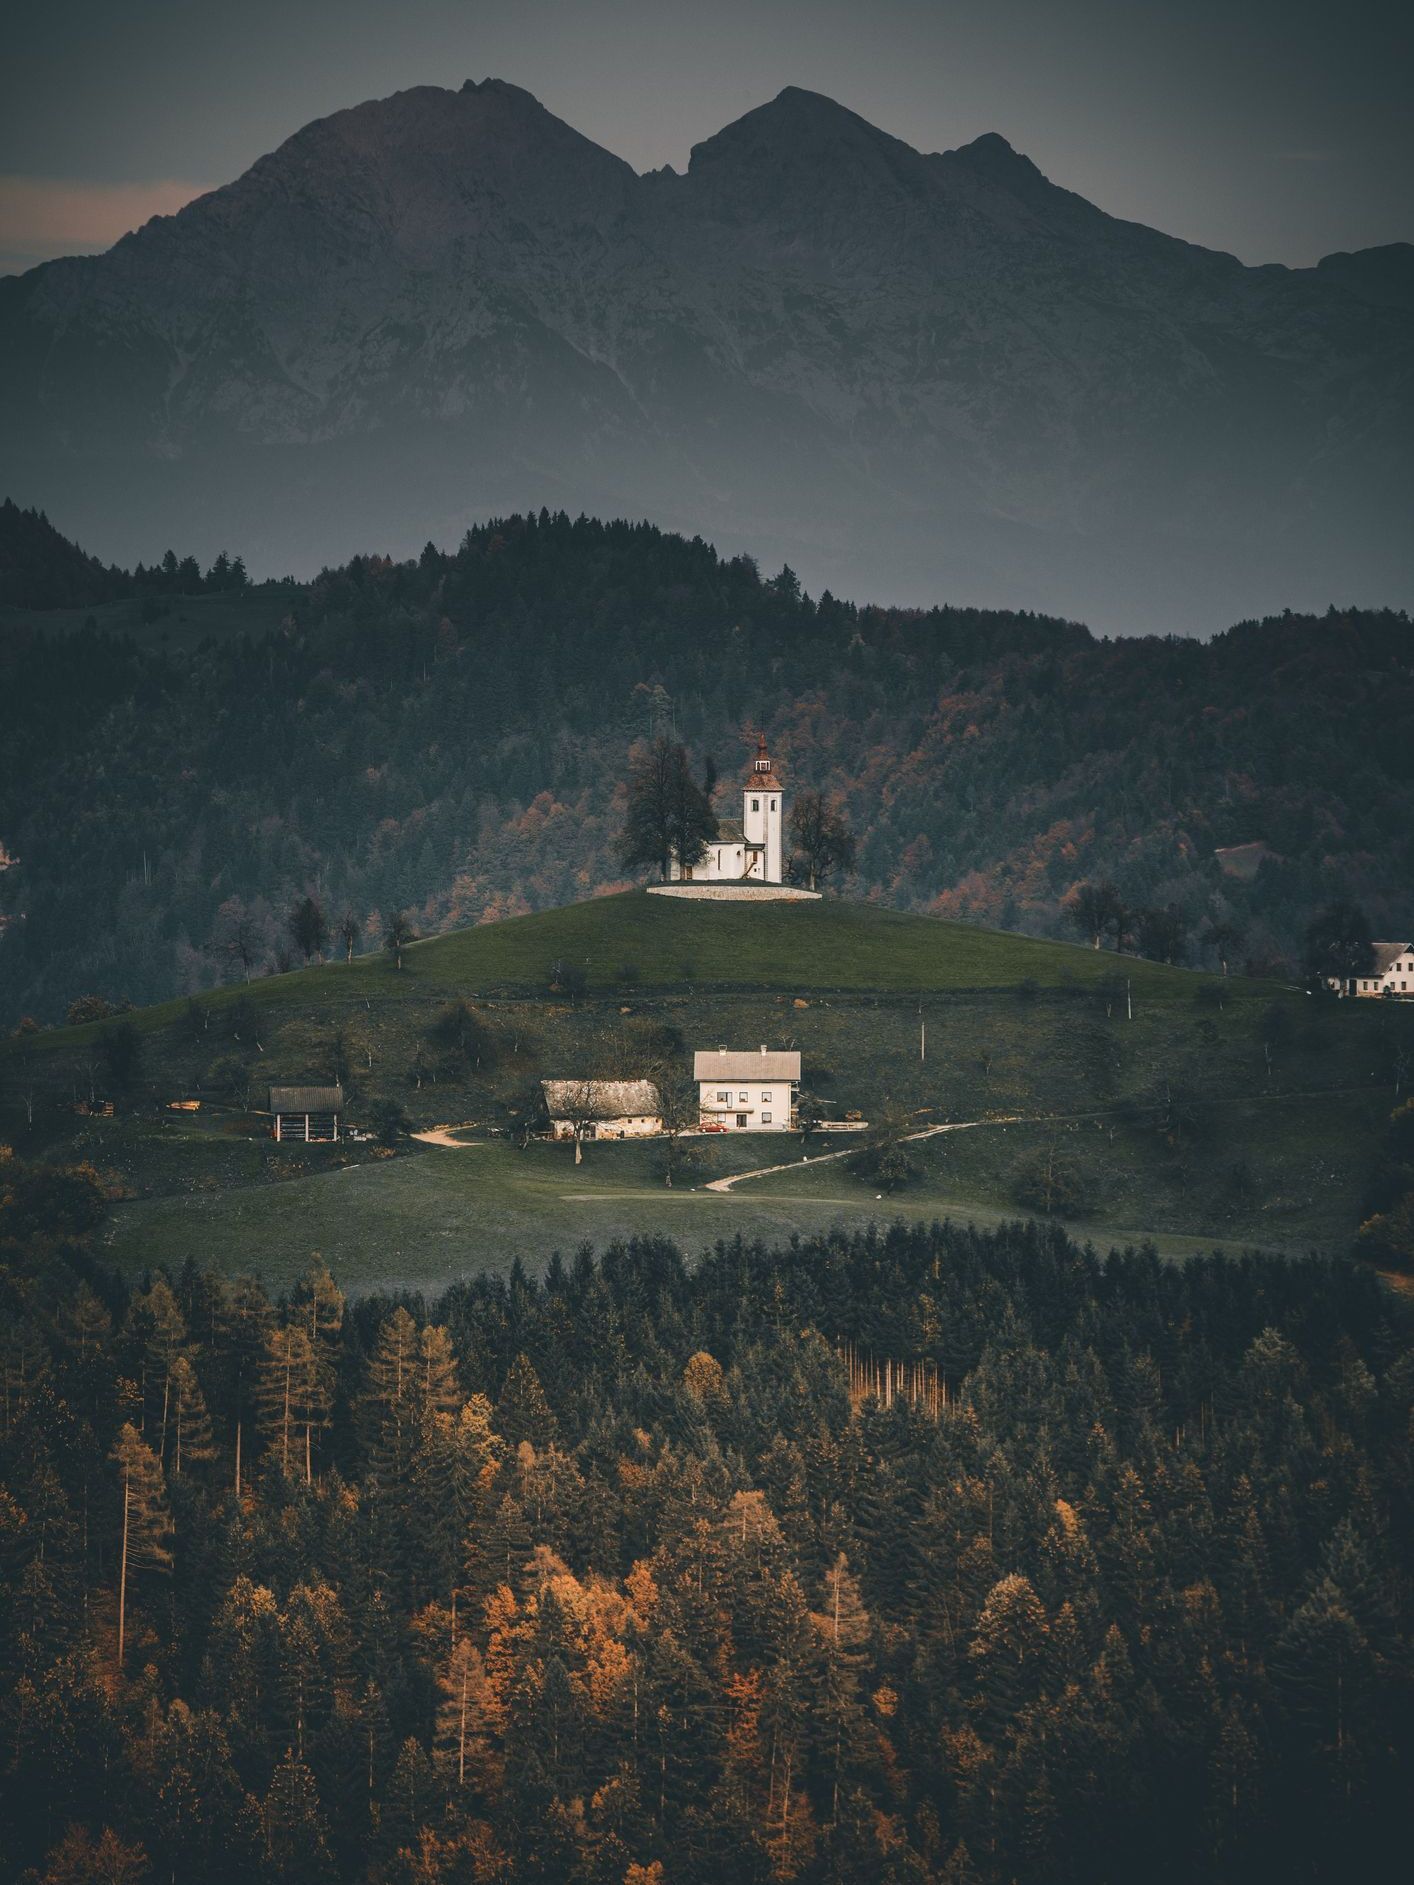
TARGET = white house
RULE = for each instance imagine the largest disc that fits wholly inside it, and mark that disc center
(1392, 973)
(602, 1109)
(752, 851)
(745, 1092)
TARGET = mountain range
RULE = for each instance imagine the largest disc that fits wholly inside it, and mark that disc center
(910, 375)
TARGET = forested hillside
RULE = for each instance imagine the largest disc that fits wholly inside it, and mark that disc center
(908, 1557)
(451, 736)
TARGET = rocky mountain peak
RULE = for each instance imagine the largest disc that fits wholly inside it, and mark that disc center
(916, 374)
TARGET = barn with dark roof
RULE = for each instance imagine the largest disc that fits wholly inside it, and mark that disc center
(313, 1114)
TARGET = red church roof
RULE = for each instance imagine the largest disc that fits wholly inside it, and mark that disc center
(761, 773)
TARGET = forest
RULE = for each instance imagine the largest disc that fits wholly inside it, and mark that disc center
(918, 1554)
(451, 738)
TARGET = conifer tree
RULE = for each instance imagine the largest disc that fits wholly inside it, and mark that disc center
(243, 1319)
(462, 1743)
(296, 1838)
(157, 1324)
(146, 1525)
(291, 1397)
(189, 1422)
(522, 1411)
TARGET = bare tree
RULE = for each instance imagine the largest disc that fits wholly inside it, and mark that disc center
(350, 930)
(1224, 938)
(823, 841)
(398, 935)
(579, 1106)
(679, 1108)
(237, 935)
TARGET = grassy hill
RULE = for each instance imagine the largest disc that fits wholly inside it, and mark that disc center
(635, 941)
(1175, 1103)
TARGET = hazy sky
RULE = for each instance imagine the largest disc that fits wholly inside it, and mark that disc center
(1278, 131)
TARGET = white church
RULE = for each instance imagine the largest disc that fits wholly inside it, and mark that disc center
(753, 851)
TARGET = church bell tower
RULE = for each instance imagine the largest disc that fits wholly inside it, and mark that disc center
(762, 818)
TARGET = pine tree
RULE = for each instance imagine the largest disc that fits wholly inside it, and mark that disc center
(190, 1423)
(156, 1322)
(1007, 1652)
(463, 1740)
(244, 1318)
(146, 1523)
(319, 1303)
(296, 1839)
(522, 1411)
(291, 1396)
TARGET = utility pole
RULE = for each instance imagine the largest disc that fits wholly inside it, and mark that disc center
(922, 1040)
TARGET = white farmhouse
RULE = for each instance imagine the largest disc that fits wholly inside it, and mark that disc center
(752, 851)
(602, 1109)
(745, 1092)
(1391, 973)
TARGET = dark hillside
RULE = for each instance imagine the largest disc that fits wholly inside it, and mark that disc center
(450, 736)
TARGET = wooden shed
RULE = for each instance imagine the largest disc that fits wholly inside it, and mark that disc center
(311, 1113)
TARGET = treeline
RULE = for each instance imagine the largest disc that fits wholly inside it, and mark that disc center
(607, 1577)
(40, 569)
(451, 737)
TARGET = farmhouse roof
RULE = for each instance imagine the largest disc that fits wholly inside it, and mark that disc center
(306, 1099)
(1386, 955)
(601, 1099)
(721, 1063)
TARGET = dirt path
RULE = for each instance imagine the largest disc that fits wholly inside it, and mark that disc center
(827, 1158)
(442, 1135)
(1002, 1119)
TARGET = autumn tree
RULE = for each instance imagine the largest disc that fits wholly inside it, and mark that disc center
(146, 1524)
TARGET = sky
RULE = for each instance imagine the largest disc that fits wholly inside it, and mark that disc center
(1278, 131)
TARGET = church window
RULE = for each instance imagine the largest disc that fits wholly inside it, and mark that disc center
(756, 805)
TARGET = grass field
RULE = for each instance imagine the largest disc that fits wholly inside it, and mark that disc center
(1232, 1111)
(420, 1222)
(632, 944)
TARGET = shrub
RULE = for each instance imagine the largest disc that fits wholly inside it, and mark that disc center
(88, 1008)
(389, 1121)
(1053, 1183)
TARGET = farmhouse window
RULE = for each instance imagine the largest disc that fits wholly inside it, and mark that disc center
(741, 1119)
(765, 1119)
(725, 1098)
(765, 1099)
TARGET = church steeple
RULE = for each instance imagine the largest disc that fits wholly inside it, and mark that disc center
(763, 775)
(762, 817)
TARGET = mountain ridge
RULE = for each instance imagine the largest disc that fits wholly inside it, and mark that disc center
(909, 373)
